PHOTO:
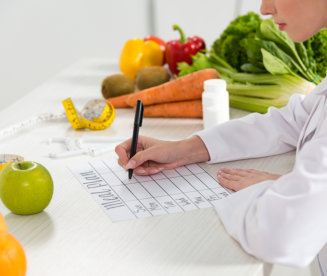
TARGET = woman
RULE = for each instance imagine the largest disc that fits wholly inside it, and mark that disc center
(281, 219)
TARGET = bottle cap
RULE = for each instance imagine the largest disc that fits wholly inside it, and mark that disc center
(215, 84)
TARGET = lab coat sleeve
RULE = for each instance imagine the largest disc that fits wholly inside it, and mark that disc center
(257, 135)
(283, 221)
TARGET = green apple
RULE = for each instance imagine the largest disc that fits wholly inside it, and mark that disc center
(26, 187)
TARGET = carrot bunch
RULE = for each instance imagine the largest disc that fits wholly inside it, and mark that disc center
(180, 97)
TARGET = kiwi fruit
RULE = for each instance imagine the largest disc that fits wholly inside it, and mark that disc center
(116, 85)
(151, 76)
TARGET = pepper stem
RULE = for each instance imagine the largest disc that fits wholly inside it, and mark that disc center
(181, 32)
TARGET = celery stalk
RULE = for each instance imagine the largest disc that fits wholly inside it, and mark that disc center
(260, 91)
(255, 104)
(269, 86)
(257, 92)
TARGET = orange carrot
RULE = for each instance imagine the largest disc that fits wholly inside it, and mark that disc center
(182, 109)
(119, 101)
(188, 87)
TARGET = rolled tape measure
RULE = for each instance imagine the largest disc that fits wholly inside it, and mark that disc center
(97, 114)
(6, 159)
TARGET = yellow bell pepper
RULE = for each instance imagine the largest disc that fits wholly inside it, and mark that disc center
(137, 54)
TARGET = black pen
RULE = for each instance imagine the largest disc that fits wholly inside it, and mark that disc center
(137, 123)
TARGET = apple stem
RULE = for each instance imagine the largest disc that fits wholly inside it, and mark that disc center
(20, 165)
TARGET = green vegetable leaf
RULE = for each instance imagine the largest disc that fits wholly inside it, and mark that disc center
(250, 68)
(302, 51)
(274, 65)
(253, 51)
(269, 31)
(200, 61)
(184, 68)
(273, 49)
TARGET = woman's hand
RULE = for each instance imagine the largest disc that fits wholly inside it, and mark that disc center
(153, 155)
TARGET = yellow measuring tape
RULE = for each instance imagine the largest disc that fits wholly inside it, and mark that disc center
(96, 114)
(6, 159)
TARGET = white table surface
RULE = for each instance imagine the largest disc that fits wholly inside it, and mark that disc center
(73, 236)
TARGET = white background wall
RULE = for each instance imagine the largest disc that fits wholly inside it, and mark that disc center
(205, 18)
(38, 38)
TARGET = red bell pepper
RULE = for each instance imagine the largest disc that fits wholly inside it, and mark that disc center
(182, 49)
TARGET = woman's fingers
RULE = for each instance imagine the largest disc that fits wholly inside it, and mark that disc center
(239, 172)
(123, 151)
(229, 175)
(148, 170)
(138, 159)
(237, 179)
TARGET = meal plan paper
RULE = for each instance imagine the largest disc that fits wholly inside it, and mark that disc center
(182, 189)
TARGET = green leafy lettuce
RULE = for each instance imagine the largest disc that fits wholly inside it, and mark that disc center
(228, 45)
(317, 50)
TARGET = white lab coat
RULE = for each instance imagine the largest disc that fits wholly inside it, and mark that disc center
(279, 221)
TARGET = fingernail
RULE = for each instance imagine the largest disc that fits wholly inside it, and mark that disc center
(130, 165)
(140, 171)
(153, 171)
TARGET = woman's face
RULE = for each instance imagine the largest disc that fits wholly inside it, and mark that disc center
(300, 19)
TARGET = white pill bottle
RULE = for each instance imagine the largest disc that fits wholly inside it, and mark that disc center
(215, 103)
